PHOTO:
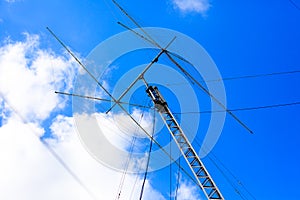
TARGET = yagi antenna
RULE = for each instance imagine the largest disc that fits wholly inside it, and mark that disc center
(119, 104)
(149, 39)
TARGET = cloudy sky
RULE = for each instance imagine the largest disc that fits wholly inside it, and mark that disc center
(41, 155)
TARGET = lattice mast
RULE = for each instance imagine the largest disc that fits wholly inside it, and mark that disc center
(202, 176)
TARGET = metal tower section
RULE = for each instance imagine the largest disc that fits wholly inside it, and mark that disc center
(201, 174)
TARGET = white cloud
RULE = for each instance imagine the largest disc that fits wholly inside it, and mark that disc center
(29, 169)
(29, 75)
(128, 126)
(187, 191)
(198, 6)
(101, 180)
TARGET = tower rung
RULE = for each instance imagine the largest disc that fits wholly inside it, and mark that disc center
(191, 156)
(212, 194)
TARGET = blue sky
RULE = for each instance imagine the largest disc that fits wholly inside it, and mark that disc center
(242, 38)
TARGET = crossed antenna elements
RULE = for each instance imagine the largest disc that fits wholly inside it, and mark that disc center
(200, 174)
